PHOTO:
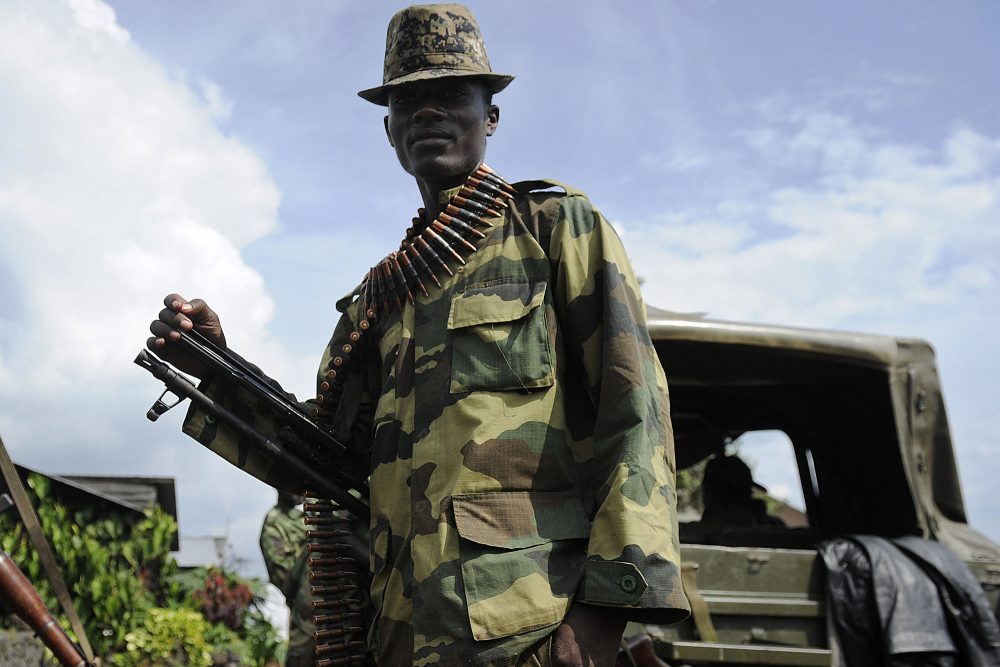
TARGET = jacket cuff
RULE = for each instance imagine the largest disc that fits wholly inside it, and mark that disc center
(647, 589)
(612, 582)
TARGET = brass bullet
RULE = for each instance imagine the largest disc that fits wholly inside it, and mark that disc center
(337, 618)
(411, 272)
(399, 277)
(414, 252)
(425, 247)
(350, 659)
(326, 519)
(461, 224)
(451, 233)
(479, 208)
(444, 244)
(334, 633)
(468, 192)
(390, 283)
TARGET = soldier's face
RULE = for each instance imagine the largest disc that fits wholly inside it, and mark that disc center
(439, 128)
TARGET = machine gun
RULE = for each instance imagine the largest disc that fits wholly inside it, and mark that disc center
(300, 445)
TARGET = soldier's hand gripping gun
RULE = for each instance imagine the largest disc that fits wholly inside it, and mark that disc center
(21, 598)
(317, 456)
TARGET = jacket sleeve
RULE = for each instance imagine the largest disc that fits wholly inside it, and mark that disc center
(344, 407)
(633, 554)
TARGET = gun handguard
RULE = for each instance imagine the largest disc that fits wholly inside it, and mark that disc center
(22, 599)
(300, 444)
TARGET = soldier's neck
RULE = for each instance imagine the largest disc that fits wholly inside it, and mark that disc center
(430, 194)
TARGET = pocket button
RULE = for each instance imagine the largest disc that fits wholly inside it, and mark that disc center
(628, 583)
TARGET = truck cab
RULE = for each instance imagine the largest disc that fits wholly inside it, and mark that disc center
(866, 446)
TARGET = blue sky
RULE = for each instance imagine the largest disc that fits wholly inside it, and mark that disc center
(779, 161)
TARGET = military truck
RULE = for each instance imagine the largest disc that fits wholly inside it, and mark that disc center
(869, 442)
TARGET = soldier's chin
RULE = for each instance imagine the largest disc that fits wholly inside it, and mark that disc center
(443, 167)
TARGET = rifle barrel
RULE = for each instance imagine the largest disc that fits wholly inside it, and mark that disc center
(184, 388)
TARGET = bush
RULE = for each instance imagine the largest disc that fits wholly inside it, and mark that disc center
(240, 632)
(224, 599)
(113, 564)
(173, 637)
(136, 606)
(262, 638)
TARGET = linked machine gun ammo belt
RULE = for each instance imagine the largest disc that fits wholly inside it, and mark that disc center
(315, 455)
(337, 584)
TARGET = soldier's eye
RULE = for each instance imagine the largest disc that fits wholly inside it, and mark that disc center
(453, 93)
(401, 100)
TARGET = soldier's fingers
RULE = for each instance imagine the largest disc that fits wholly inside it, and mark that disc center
(176, 320)
(174, 302)
(164, 330)
(200, 311)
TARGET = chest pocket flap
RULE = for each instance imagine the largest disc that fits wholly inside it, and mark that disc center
(500, 337)
(502, 302)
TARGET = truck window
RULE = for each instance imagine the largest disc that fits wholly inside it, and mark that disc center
(748, 493)
(772, 462)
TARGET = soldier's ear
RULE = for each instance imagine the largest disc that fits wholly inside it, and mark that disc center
(385, 122)
(492, 119)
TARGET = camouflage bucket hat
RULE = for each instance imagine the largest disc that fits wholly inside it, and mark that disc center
(430, 42)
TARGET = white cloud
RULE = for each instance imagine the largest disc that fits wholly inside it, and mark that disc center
(875, 226)
(98, 18)
(116, 186)
(219, 106)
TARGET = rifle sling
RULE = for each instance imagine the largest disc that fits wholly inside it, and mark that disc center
(41, 545)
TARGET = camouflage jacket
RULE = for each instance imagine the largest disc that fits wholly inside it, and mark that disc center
(283, 545)
(522, 456)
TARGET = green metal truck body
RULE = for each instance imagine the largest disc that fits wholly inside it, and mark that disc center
(866, 420)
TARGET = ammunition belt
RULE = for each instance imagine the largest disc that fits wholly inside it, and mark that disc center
(424, 253)
(427, 252)
(335, 583)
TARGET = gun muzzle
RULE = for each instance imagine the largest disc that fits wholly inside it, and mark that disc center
(174, 381)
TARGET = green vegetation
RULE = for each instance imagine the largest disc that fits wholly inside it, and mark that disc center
(137, 607)
(167, 637)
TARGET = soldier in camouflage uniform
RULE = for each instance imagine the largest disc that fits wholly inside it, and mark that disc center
(283, 545)
(515, 414)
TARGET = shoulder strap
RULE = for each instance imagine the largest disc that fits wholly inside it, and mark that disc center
(540, 226)
(525, 187)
